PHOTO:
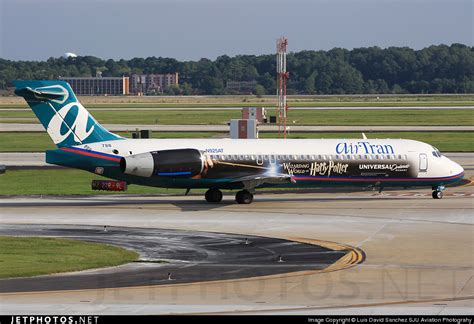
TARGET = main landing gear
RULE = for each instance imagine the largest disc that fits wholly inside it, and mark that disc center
(438, 192)
(213, 196)
(242, 197)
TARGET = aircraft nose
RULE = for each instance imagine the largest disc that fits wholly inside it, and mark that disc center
(455, 168)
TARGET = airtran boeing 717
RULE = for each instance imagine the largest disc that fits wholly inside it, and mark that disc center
(237, 164)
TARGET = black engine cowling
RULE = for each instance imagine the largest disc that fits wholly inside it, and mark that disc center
(167, 163)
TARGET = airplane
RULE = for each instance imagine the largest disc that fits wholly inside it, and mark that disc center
(235, 164)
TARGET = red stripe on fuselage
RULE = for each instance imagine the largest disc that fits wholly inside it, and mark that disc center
(92, 154)
(377, 179)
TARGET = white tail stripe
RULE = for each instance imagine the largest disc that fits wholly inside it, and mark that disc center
(78, 127)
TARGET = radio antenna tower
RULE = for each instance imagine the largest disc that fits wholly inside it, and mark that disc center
(282, 76)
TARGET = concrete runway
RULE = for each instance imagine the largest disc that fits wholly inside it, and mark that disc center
(273, 108)
(36, 127)
(419, 253)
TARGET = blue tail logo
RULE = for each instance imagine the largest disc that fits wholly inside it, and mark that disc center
(67, 122)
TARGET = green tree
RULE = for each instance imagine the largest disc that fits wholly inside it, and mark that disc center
(259, 90)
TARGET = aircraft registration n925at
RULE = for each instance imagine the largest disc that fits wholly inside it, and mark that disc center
(236, 164)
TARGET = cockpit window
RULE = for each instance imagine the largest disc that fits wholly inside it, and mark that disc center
(436, 152)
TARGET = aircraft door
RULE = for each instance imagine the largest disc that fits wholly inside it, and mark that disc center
(423, 162)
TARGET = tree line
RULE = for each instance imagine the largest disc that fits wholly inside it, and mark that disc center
(434, 69)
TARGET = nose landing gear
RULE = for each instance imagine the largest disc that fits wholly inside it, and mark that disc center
(438, 192)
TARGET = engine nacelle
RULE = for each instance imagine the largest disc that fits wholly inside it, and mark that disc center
(167, 163)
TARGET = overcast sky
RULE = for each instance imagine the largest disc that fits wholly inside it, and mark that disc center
(192, 29)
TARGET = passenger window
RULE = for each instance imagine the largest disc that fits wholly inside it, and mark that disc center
(272, 159)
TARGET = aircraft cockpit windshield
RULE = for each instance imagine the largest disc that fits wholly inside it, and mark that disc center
(436, 152)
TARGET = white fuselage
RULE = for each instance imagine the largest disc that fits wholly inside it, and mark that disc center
(422, 155)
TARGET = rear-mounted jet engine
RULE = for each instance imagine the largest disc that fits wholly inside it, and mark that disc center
(167, 163)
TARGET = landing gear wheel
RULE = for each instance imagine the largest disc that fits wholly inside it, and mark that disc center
(437, 194)
(243, 197)
(213, 195)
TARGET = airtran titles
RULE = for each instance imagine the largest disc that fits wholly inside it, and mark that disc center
(363, 148)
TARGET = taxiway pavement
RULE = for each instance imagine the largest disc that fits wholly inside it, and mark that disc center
(173, 257)
(36, 127)
(419, 253)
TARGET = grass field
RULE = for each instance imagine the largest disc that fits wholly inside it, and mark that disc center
(296, 117)
(267, 101)
(61, 182)
(38, 142)
(31, 256)
(445, 141)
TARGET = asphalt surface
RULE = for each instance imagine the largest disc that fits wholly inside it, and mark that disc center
(190, 256)
(419, 253)
(240, 108)
(24, 127)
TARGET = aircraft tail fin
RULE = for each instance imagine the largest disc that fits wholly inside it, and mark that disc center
(67, 122)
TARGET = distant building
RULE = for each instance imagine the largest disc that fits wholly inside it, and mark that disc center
(69, 55)
(99, 86)
(241, 86)
(152, 83)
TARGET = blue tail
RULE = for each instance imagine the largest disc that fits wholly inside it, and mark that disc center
(67, 122)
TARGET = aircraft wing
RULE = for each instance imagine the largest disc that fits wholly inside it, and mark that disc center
(255, 181)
